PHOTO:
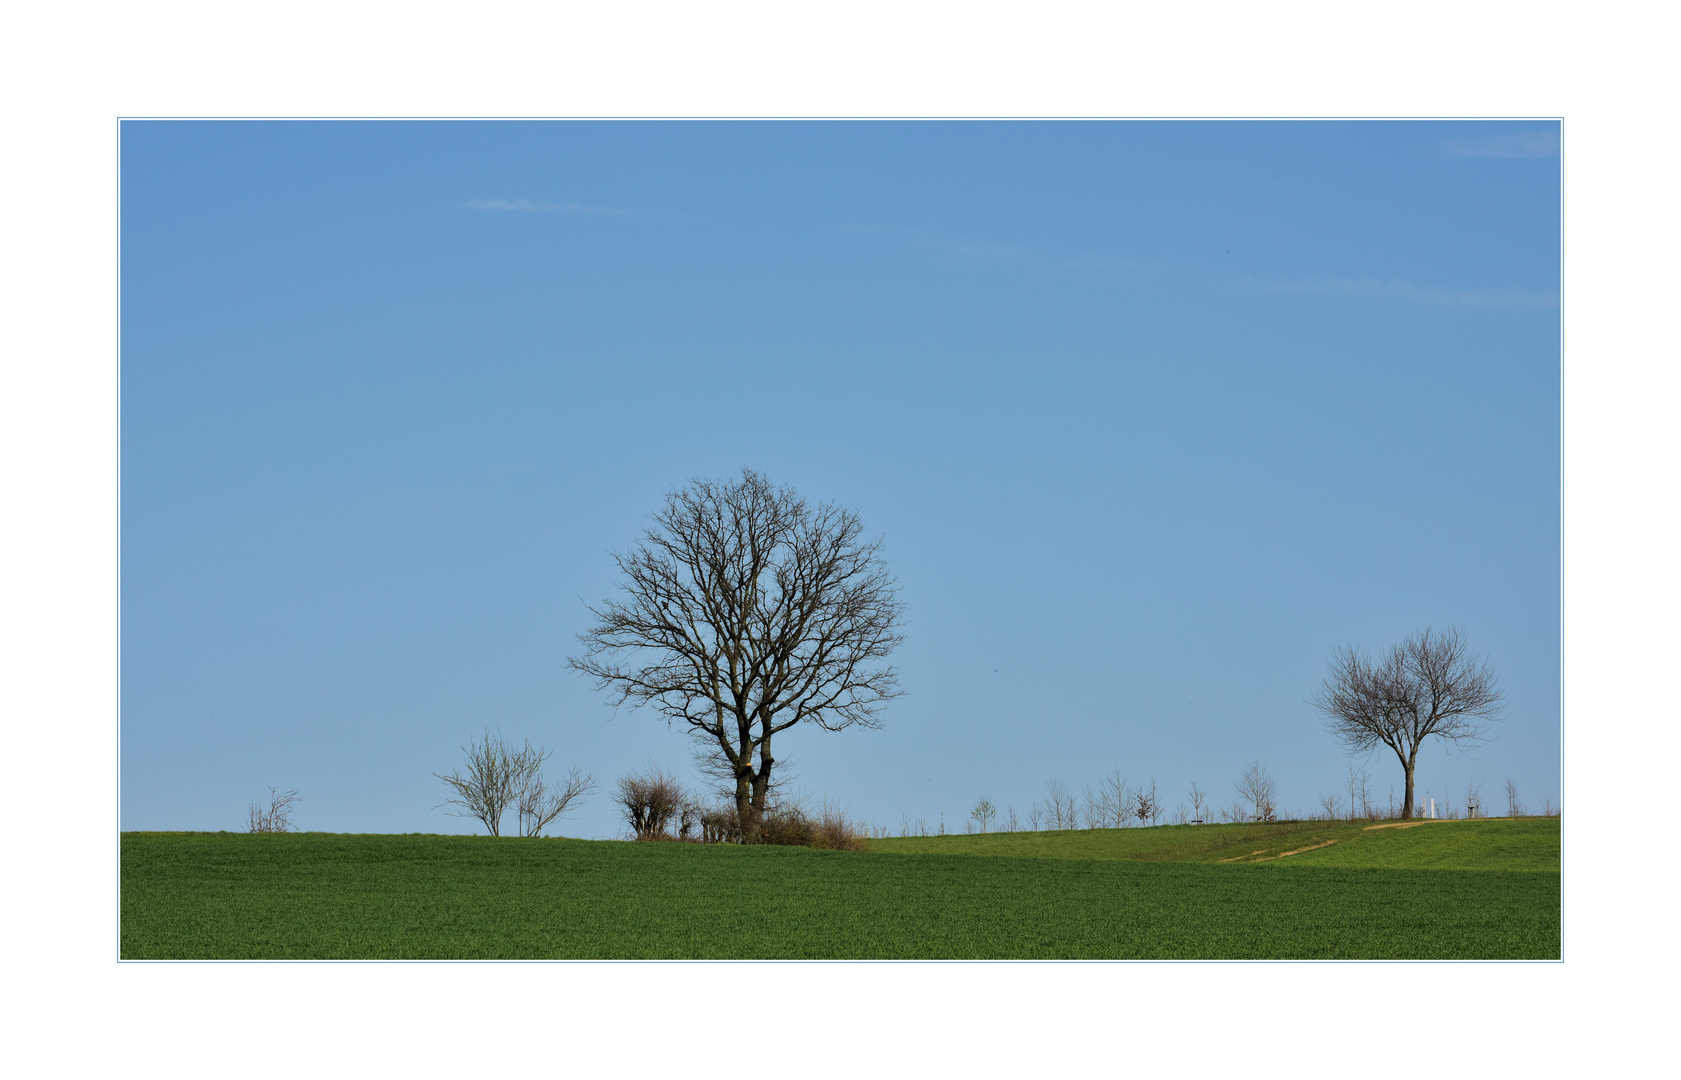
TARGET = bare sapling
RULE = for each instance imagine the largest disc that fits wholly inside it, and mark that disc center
(1146, 807)
(983, 812)
(1014, 825)
(278, 816)
(490, 780)
(1473, 801)
(1097, 815)
(1060, 806)
(540, 802)
(1330, 806)
(1116, 798)
(1359, 793)
(1514, 808)
(1258, 789)
(1199, 804)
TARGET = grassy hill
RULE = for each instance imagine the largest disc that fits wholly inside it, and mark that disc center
(1483, 844)
(1447, 890)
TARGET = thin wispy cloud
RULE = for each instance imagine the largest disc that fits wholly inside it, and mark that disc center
(980, 249)
(987, 252)
(1397, 289)
(1524, 144)
(537, 206)
(1100, 262)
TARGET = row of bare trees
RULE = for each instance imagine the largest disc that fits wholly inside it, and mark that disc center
(1117, 803)
(1362, 806)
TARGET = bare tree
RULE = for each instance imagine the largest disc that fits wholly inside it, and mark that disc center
(1015, 826)
(1359, 795)
(1145, 806)
(1429, 684)
(1331, 805)
(1060, 809)
(1259, 790)
(984, 812)
(1473, 801)
(1514, 808)
(1096, 814)
(1114, 798)
(492, 779)
(496, 776)
(749, 611)
(1199, 804)
(539, 803)
(278, 816)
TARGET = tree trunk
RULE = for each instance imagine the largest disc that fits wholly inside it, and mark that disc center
(1407, 806)
(744, 803)
(761, 785)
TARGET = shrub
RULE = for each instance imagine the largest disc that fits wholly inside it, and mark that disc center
(278, 817)
(651, 801)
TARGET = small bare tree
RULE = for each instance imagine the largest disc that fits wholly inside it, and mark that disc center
(1199, 804)
(1257, 788)
(1060, 807)
(539, 803)
(278, 816)
(490, 781)
(1014, 825)
(1430, 684)
(748, 611)
(1359, 794)
(983, 813)
(496, 776)
(1096, 817)
(1145, 806)
(1331, 806)
(1514, 808)
(1115, 798)
(1473, 801)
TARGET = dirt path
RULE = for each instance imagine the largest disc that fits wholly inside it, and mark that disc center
(1280, 855)
(1298, 851)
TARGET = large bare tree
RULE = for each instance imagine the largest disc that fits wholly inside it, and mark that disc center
(749, 611)
(1430, 684)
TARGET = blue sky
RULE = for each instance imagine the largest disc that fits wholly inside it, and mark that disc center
(1151, 417)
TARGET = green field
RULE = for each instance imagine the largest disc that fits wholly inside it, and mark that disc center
(1484, 889)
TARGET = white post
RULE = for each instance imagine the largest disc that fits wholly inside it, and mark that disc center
(1432, 807)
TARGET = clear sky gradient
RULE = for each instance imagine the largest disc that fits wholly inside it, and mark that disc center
(1151, 417)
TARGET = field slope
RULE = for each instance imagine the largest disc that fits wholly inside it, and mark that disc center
(1134, 893)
